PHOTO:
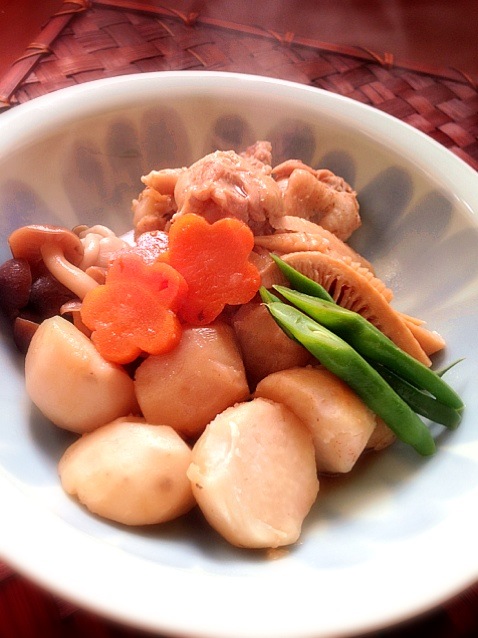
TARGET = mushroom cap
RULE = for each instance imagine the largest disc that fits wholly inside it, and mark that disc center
(26, 242)
(15, 286)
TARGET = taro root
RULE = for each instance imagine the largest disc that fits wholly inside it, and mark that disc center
(381, 437)
(340, 423)
(265, 347)
(253, 474)
(130, 472)
(70, 382)
(204, 374)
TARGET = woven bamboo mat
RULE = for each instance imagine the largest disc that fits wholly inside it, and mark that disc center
(26, 611)
(86, 41)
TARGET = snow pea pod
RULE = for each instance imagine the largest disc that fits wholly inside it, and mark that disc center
(300, 282)
(373, 344)
(421, 402)
(341, 359)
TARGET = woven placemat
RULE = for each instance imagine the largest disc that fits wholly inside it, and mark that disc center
(91, 40)
(28, 611)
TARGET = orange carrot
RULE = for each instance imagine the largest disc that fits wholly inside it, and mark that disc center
(213, 259)
(127, 321)
(168, 284)
(134, 311)
(145, 295)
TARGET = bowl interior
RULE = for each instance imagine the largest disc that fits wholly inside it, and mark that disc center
(83, 165)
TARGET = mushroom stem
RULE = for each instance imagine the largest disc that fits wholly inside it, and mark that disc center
(91, 250)
(64, 271)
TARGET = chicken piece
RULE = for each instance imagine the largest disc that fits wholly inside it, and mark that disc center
(130, 472)
(224, 184)
(357, 289)
(187, 387)
(340, 423)
(284, 170)
(156, 204)
(265, 347)
(260, 155)
(253, 474)
(151, 211)
(163, 181)
(319, 196)
(70, 382)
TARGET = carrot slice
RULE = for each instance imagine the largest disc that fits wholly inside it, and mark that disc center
(128, 320)
(139, 307)
(134, 310)
(213, 259)
(168, 284)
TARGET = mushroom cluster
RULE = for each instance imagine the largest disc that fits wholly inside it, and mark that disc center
(51, 270)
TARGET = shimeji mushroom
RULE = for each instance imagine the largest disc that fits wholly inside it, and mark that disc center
(100, 243)
(61, 251)
(15, 285)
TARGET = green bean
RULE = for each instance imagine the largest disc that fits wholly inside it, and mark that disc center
(341, 359)
(267, 296)
(301, 282)
(371, 343)
(420, 402)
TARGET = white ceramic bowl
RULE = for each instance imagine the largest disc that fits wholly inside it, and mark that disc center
(396, 537)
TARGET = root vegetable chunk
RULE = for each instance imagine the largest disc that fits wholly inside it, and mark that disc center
(130, 472)
(188, 386)
(253, 474)
(71, 383)
(381, 437)
(340, 423)
(265, 347)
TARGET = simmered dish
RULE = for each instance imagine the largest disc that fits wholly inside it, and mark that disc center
(225, 354)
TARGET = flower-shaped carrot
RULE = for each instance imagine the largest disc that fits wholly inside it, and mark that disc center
(213, 259)
(168, 284)
(134, 311)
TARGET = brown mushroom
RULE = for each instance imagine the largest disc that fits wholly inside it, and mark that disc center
(60, 250)
(23, 331)
(72, 309)
(47, 295)
(15, 284)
